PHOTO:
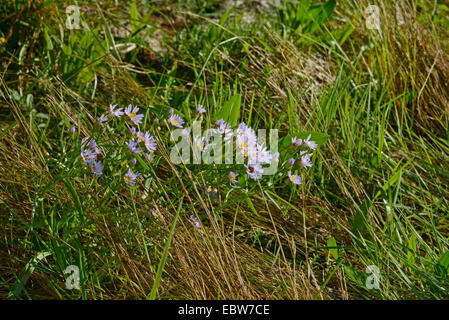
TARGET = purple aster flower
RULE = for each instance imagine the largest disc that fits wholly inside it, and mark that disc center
(258, 154)
(253, 155)
(150, 144)
(132, 114)
(102, 119)
(219, 122)
(131, 213)
(224, 128)
(143, 137)
(88, 156)
(130, 178)
(311, 144)
(171, 111)
(264, 156)
(200, 109)
(116, 112)
(94, 147)
(242, 127)
(72, 129)
(246, 140)
(276, 156)
(96, 169)
(232, 177)
(176, 120)
(291, 161)
(294, 178)
(148, 140)
(134, 161)
(296, 142)
(133, 147)
(305, 160)
(254, 171)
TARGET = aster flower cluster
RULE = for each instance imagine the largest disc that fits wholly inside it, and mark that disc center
(137, 143)
(89, 152)
(140, 142)
(130, 111)
(305, 156)
(248, 145)
(257, 155)
(255, 151)
(143, 139)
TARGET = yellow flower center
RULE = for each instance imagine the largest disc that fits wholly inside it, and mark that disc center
(128, 179)
(293, 178)
(132, 115)
(175, 121)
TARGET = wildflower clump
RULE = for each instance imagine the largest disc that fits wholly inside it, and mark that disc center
(305, 148)
(134, 142)
(89, 153)
(125, 141)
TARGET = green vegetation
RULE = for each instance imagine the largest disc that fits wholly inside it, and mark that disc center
(375, 100)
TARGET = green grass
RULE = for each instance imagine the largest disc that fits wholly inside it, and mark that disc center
(376, 102)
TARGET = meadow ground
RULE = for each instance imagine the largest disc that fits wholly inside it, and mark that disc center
(81, 193)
